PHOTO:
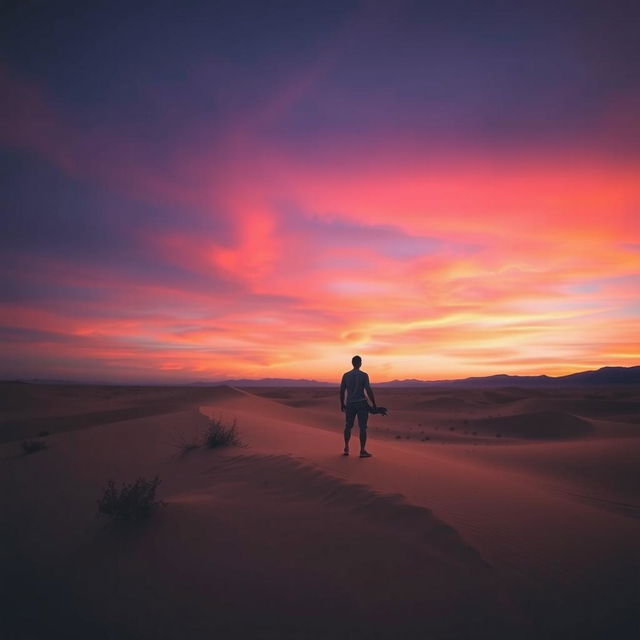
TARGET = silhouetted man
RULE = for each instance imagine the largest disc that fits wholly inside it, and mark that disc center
(355, 383)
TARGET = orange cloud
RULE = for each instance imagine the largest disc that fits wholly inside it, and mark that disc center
(432, 264)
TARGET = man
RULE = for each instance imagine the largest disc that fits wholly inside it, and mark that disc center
(355, 383)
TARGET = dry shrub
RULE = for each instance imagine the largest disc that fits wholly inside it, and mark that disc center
(135, 501)
(185, 444)
(218, 434)
(31, 446)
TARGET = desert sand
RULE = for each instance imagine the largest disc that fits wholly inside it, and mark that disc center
(484, 513)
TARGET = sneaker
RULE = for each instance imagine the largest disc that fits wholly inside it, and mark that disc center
(365, 454)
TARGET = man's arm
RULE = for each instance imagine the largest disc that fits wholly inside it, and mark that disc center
(369, 391)
(343, 388)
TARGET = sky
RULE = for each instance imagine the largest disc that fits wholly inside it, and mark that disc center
(209, 190)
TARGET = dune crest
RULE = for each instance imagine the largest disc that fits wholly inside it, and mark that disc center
(295, 478)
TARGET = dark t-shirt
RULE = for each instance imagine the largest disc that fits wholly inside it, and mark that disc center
(355, 382)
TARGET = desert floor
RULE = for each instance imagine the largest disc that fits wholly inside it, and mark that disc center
(484, 513)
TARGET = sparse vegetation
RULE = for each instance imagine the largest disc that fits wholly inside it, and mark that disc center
(31, 446)
(218, 434)
(185, 444)
(135, 501)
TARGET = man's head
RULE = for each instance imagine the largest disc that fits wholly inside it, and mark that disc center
(356, 361)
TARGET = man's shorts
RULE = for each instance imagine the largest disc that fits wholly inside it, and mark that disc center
(353, 409)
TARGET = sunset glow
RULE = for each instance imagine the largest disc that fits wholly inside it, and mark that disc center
(211, 215)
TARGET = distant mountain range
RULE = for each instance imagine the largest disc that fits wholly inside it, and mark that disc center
(603, 376)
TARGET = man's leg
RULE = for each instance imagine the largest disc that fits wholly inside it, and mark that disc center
(350, 416)
(363, 439)
(363, 417)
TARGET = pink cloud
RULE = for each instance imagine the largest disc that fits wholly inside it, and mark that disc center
(505, 249)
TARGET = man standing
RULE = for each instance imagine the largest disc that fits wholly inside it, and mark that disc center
(355, 383)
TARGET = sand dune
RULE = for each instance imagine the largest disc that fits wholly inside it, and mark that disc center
(28, 409)
(444, 404)
(605, 469)
(535, 425)
(294, 478)
(579, 404)
(284, 538)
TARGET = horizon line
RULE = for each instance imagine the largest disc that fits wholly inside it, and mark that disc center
(222, 381)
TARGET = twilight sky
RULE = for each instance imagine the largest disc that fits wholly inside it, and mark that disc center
(199, 190)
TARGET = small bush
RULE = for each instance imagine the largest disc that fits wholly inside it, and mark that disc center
(31, 446)
(134, 501)
(185, 444)
(220, 435)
